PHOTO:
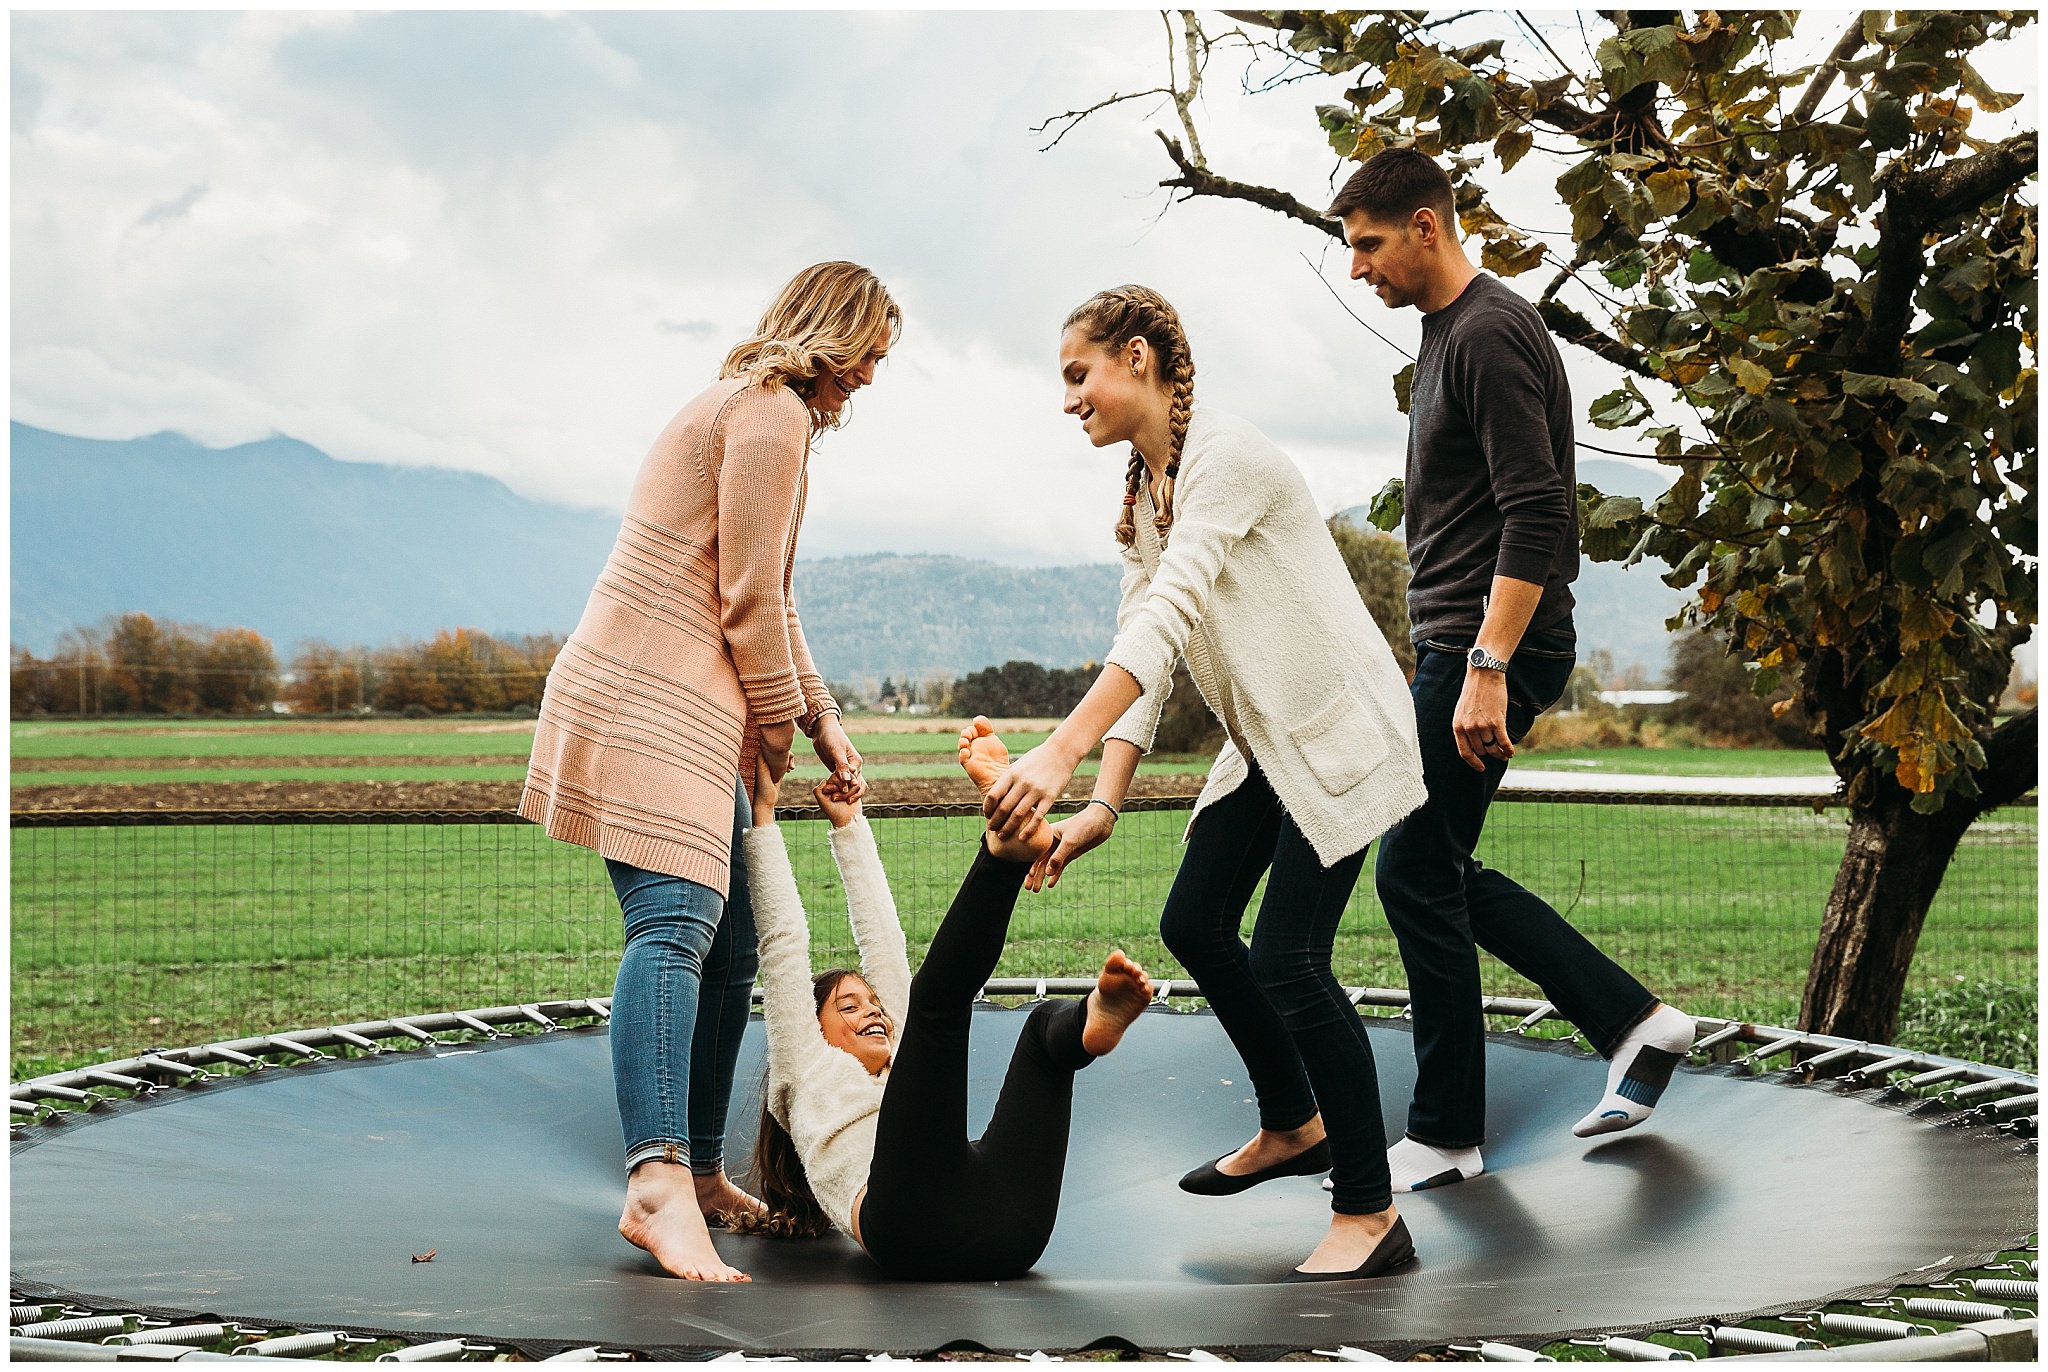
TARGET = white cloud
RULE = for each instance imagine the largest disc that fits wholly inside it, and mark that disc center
(516, 243)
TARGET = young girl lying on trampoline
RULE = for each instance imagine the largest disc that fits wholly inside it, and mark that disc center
(865, 1118)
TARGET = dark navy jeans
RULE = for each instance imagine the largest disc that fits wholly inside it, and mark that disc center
(679, 1007)
(1441, 901)
(1302, 1041)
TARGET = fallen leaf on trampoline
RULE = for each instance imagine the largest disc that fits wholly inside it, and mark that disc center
(427, 1256)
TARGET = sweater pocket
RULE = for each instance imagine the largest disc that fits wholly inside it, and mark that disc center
(1343, 743)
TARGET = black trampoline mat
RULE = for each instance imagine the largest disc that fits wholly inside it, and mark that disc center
(298, 1197)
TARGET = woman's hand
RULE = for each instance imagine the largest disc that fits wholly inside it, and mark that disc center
(1072, 837)
(776, 741)
(1027, 790)
(841, 759)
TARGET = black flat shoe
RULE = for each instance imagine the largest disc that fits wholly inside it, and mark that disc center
(1395, 1250)
(1207, 1181)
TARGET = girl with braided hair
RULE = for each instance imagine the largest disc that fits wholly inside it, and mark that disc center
(1227, 562)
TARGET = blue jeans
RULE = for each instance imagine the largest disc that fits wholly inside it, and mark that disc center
(679, 1008)
(1442, 901)
(1302, 1041)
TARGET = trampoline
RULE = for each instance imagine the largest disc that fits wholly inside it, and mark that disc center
(299, 1196)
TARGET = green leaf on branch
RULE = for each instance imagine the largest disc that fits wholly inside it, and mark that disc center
(1388, 506)
(1619, 409)
(1404, 387)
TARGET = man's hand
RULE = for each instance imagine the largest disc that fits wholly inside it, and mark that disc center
(842, 760)
(776, 741)
(1480, 725)
(1072, 837)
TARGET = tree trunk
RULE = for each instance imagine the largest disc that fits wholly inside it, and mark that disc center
(1889, 874)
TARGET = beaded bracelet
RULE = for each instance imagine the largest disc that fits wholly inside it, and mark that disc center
(1105, 805)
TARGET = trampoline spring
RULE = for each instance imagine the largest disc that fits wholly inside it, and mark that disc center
(1765, 1052)
(70, 1093)
(1164, 989)
(590, 1354)
(1534, 1018)
(1344, 1352)
(1962, 1095)
(1937, 1076)
(2005, 1288)
(413, 1032)
(299, 1345)
(1197, 1355)
(1871, 1072)
(1868, 1327)
(1637, 1350)
(91, 1327)
(1958, 1312)
(1717, 1038)
(101, 1077)
(1812, 1065)
(1992, 1109)
(601, 1008)
(25, 1314)
(354, 1040)
(1736, 1338)
(176, 1069)
(1039, 993)
(533, 1013)
(441, 1350)
(240, 1059)
(291, 1045)
(2024, 1126)
(469, 1021)
(18, 1106)
(197, 1335)
(1489, 1351)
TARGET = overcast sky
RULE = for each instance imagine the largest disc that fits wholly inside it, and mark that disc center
(517, 243)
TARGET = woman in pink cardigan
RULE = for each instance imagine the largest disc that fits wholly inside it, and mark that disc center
(689, 663)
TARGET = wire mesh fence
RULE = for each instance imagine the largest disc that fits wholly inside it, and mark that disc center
(148, 930)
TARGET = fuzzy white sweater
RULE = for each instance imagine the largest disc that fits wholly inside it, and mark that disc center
(1251, 590)
(820, 1093)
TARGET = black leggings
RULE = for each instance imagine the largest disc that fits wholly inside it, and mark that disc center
(938, 1207)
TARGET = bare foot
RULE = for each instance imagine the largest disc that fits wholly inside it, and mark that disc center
(1272, 1146)
(717, 1197)
(661, 1216)
(984, 758)
(1121, 994)
(1349, 1242)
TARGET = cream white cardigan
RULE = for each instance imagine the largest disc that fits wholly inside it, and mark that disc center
(820, 1093)
(1252, 591)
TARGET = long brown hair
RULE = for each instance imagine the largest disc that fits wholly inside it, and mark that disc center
(778, 1174)
(1109, 319)
(829, 317)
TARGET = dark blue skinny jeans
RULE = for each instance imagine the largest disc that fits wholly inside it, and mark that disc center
(679, 1008)
(1301, 1039)
(1442, 901)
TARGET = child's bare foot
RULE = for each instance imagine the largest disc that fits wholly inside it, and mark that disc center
(661, 1216)
(1121, 994)
(984, 758)
(718, 1197)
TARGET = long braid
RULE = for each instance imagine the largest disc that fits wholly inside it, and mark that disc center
(1134, 475)
(1110, 319)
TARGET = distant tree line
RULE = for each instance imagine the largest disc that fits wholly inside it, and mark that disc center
(137, 664)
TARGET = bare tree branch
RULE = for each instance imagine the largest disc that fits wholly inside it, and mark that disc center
(1072, 118)
(1201, 181)
(1824, 77)
(1914, 201)
(1184, 96)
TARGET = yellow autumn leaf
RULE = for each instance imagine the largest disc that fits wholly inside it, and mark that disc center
(1754, 379)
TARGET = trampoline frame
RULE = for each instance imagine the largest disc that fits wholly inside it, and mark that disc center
(1973, 1094)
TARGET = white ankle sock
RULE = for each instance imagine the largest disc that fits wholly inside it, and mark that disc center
(1418, 1167)
(1639, 1072)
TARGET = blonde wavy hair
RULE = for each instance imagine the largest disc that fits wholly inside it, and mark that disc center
(1110, 319)
(828, 318)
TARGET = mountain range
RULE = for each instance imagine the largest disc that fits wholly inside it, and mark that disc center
(279, 537)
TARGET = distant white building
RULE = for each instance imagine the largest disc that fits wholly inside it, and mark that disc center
(1656, 697)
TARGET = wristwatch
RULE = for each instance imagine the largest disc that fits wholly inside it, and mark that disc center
(1479, 657)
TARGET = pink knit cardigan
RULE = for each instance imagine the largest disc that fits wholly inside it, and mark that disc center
(689, 643)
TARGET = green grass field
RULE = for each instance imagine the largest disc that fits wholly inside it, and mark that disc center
(123, 938)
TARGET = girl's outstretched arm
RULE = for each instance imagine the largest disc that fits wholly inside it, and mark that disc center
(784, 935)
(877, 932)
